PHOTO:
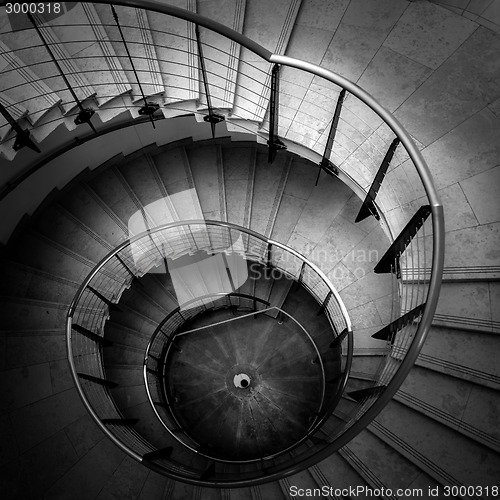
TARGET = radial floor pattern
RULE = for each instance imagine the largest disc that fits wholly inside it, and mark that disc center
(247, 387)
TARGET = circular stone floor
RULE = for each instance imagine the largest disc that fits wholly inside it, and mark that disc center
(244, 389)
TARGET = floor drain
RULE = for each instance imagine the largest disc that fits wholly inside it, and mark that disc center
(241, 380)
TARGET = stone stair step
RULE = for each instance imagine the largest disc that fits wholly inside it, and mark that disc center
(176, 180)
(85, 205)
(25, 348)
(339, 473)
(17, 111)
(379, 464)
(31, 51)
(21, 280)
(357, 384)
(137, 299)
(97, 61)
(460, 354)
(366, 366)
(151, 428)
(440, 457)
(267, 192)
(463, 305)
(177, 54)
(303, 480)
(268, 490)
(139, 174)
(161, 295)
(99, 463)
(300, 304)
(239, 173)
(478, 240)
(461, 405)
(156, 486)
(123, 354)
(264, 283)
(131, 318)
(49, 315)
(134, 24)
(112, 192)
(281, 287)
(23, 86)
(129, 478)
(164, 281)
(207, 169)
(298, 189)
(127, 374)
(221, 54)
(44, 254)
(272, 31)
(124, 336)
(67, 231)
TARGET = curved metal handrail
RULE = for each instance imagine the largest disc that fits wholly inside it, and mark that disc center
(147, 234)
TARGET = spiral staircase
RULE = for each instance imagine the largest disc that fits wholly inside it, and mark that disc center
(238, 252)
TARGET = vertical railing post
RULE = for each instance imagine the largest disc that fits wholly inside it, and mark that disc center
(135, 279)
(339, 338)
(228, 271)
(22, 136)
(388, 332)
(300, 277)
(112, 305)
(368, 208)
(389, 263)
(324, 305)
(85, 114)
(212, 118)
(326, 164)
(274, 141)
(91, 335)
(280, 317)
(149, 108)
(269, 255)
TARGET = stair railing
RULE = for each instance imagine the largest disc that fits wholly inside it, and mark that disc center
(416, 230)
(99, 296)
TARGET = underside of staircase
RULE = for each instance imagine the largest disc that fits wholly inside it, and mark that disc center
(434, 66)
